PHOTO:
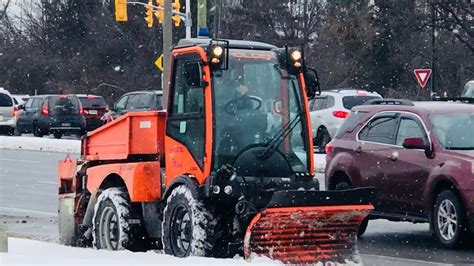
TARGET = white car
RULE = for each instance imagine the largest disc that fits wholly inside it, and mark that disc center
(8, 111)
(468, 91)
(330, 109)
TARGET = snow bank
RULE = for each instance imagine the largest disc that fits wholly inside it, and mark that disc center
(40, 144)
(319, 162)
(31, 252)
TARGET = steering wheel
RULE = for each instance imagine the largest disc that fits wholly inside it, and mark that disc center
(232, 108)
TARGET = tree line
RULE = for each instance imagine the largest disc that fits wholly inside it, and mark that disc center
(365, 44)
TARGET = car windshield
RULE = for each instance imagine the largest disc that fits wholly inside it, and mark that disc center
(351, 101)
(454, 131)
(254, 100)
(91, 102)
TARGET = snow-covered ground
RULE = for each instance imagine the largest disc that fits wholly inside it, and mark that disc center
(31, 252)
(40, 144)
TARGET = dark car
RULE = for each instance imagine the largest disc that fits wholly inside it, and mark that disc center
(51, 114)
(420, 158)
(93, 108)
(135, 101)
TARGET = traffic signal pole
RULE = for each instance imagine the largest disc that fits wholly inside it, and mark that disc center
(167, 45)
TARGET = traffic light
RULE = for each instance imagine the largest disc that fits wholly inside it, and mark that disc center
(159, 12)
(176, 18)
(149, 14)
(121, 10)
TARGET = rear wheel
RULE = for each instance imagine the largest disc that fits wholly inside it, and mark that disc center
(37, 131)
(449, 220)
(189, 227)
(58, 135)
(322, 138)
(117, 225)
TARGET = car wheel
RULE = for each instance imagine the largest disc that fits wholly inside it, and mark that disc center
(449, 219)
(116, 224)
(11, 132)
(17, 131)
(342, 185)
(58, 135)
(322, 138)
(189, 227)
(37, 131)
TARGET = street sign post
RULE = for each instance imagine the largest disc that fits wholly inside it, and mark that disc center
(422, 76)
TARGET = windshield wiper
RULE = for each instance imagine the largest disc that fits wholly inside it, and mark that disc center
(279, 137)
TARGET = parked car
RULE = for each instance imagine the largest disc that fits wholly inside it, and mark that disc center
(93, 108)
(20, 99)
(8, 110)
(468, 91)
(419, 157)
(133, 102)
(51, 114)
(330, 109)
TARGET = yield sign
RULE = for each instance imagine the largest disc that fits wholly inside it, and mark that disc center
(422, 75)
(159, 63)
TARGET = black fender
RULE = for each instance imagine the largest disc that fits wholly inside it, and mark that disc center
(188, 180)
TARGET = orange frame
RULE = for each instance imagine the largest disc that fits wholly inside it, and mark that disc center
(179, 160)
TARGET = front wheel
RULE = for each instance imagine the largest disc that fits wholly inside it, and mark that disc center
(57, 135)
(449, 220)
(189, 227)
(37, 131)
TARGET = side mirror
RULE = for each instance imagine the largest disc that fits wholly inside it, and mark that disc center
(21, 107)
(193, 74)
(416, 143)
(311, 81)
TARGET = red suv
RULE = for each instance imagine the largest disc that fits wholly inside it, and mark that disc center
(419, 157)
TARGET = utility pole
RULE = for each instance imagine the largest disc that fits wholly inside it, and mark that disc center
(202, 14)
(167, 44)
(188, 20)
(433, 51)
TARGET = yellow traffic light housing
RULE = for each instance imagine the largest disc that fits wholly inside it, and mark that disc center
(176, 18)
(121, 10)
(149, 14)
(159, 12)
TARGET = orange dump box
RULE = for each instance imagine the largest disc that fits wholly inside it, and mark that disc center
(135, 133)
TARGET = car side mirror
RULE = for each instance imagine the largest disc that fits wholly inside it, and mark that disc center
(193, 74)
(311, 81)
(21, 107)
(417, 143)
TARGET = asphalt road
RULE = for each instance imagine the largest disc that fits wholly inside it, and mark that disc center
(28, 206)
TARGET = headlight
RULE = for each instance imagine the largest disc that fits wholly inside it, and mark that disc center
(217, 51)
(296, 56)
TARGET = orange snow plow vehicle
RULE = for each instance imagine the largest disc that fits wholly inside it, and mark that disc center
(227, 169)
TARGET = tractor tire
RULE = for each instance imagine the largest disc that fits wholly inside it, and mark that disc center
(189, 227)
(449, 220)
(116, 224)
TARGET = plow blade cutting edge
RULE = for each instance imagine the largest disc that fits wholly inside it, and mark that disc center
(307, 234)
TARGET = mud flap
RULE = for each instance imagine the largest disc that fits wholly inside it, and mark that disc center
(66, 224)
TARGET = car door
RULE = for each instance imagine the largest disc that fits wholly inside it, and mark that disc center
(408, 168)
(376, 141)
(27, 116)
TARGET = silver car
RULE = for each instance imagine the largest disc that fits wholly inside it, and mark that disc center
(330, 109)
(8, 111)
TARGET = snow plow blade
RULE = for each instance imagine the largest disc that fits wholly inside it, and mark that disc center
(310, 234)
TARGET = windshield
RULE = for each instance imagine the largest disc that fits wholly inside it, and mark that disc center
(454, 131)
(254, 100)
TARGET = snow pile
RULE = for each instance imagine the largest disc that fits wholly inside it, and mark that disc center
(40, 144)
(30, 252)
(319, 162)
